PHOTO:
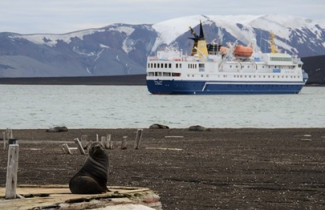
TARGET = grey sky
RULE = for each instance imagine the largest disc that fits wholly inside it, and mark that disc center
(61, 16)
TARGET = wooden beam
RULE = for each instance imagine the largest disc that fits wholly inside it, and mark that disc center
(12, 168)
(79, 146)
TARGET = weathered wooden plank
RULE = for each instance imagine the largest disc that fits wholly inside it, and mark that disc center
(59, 196)
(79, 146)
(12, 168)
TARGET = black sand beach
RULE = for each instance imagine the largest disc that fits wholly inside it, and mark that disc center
(214, 169)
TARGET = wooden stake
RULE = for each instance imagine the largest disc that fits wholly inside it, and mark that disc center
(138, 138)
(66, 148)
(97, 138)
(110, 145)
(79, 146)
(4, 140)
(12, 168)
(105, 140)
(124, 143)
(84, 141)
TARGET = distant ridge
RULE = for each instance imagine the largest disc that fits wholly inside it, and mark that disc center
(93, 80)
(122, 49)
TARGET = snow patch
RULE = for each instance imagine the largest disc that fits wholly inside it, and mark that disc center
(122, 29)
(52, 39)
(103, 46)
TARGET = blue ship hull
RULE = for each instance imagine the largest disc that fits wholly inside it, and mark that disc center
(205, 88)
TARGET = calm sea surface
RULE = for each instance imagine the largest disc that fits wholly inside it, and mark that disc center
(38, 106)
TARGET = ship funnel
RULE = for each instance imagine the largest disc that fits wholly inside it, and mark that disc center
(200, 46)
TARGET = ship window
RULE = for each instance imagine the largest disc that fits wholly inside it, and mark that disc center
(170, 65)
(166, 65)
(230, 66)
(162, 65)
(151, 74)
(148, 65)
(176, 65)
(192, 75)
(180, 65)
(201, 65)
(166, 74)
(201, 75)
(176, 74)
(155, 65)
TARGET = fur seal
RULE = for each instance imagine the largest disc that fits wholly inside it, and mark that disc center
(158, 126)
(92, 177)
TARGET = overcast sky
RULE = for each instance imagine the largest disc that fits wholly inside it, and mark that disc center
(62, 16)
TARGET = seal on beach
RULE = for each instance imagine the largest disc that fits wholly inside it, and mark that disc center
(197, 128)
(92, 177)
(158, 126)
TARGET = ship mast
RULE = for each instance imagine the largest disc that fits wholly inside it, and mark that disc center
(273, 47)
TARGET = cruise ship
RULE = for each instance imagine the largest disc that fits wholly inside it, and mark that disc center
(216, 69)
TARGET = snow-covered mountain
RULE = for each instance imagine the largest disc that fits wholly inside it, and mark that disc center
(120, 49)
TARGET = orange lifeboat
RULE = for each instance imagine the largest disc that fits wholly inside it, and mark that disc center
(243, 51)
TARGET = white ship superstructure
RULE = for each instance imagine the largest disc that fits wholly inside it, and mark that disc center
(214, 69)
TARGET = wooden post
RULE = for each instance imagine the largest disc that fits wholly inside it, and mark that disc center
(84, 141)
(124, 143)
(9, 134)
(12, 168)
(66, 148)
(97, 138)
(4, 140)
(138, 138)
(105, 140)
(80, 148)
(110, 145)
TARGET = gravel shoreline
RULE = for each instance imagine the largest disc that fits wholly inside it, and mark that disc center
(216, 168)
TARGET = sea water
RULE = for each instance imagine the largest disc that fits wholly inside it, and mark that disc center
(44, 106)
